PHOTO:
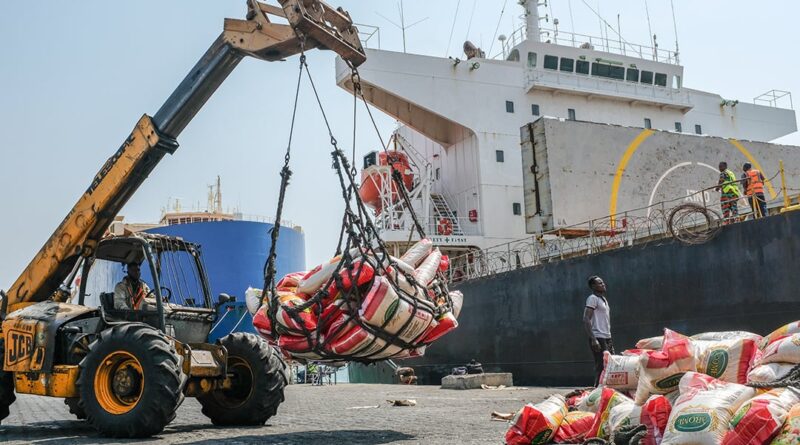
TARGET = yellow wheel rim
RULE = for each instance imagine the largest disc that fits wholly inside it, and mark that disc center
(242, 388)
(119, 382)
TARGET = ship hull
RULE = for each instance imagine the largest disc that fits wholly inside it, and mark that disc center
(528, 321)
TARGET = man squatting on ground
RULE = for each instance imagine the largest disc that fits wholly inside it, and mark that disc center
(597, 322)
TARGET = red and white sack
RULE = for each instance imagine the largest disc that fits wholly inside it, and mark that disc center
(783, 331)
(418, 252)
(439, 327)
(620, 372)
(760, 419)
(609, 399)
(458, 300)
(286, 323)
(652, 343)
(537, 423)
(769, 372)
(654, 415)
(319, 276)
(360, 273)
(783, 350)
(357, 342)
(252, 299)
(291, 281)
(661, 371)
(727, 360)
(574, 427)
(575, 399)
(383, 308)
(427, 270)
(726, 335)
(702, 413)
(790, 433)
(591, 402)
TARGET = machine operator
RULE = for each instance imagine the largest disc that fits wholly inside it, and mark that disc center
(130, 293)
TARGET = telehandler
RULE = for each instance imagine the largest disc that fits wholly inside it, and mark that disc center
(125, 370)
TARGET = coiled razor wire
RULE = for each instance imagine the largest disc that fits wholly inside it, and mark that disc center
(693, 224)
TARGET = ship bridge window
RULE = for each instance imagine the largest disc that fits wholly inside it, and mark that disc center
(513, 56)
(611, 71)
(550, 62)
(567, 65)
(661, 79)
(509, 106)
(647, 77)
(632, 75)
(582, 67)
(532, 60)
(676, 82)
(535, 109)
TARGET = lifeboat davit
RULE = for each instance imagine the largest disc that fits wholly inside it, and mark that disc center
(377, 170)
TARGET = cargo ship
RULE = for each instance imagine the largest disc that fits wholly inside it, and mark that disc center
(562, 157)
(234, 248)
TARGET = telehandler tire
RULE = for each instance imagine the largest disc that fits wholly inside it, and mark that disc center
(258, 374)
(130, 381)
(7, 396)
(74, 405)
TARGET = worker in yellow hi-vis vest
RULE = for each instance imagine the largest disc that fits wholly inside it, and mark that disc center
(729, 194)
(753, 182)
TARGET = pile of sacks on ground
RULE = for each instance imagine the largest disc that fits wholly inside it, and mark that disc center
(400, 306)
(679, 390)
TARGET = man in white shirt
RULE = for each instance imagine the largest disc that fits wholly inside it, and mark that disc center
(597, 322)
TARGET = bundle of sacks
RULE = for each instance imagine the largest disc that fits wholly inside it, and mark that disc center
(707, 389)
(365, 307)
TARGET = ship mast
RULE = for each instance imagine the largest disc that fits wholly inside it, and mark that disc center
(533, 33)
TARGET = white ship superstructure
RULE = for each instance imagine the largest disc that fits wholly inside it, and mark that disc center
(462, 118)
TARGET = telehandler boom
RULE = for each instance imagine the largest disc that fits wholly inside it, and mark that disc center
(127, 369)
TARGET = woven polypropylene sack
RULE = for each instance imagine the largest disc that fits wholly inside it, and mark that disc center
(761, 418)
(703, 411)
(537, 424)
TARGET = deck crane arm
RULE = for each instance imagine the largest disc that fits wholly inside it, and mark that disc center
(311, 24)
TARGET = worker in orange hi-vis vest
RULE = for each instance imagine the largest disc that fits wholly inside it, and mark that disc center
(130, 293)
(753, 182)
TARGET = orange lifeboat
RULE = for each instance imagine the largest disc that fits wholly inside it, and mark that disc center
(377, 169)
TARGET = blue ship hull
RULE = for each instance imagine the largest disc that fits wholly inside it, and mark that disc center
(234, 253)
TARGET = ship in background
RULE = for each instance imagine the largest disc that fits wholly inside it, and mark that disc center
(234, 248)
(616, 131)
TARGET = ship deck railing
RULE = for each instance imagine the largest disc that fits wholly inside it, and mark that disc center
(638, 227)
(609, 45)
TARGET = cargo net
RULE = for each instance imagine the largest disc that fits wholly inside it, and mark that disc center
(363, 305)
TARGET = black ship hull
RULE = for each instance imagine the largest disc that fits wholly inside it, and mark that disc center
(528, 321)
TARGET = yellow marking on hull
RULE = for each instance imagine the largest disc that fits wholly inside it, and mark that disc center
(623, 163)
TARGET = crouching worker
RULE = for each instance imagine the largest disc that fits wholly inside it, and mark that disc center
(597, 322)
(130, 293)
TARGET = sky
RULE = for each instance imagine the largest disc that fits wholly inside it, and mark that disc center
(75, 79)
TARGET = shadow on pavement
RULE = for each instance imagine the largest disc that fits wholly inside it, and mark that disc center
(350, 437)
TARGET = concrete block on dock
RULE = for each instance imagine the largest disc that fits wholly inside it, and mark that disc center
(474, 381)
